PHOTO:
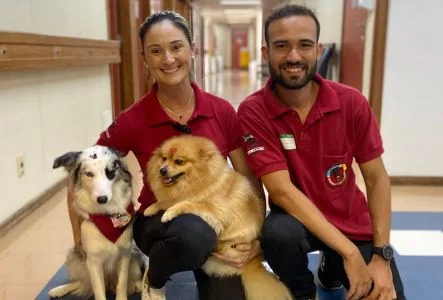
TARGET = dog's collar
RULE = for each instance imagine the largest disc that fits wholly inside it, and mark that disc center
(113, 226)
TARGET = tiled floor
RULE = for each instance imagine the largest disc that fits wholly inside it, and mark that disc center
(32, 252)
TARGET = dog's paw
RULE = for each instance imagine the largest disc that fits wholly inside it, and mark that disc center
(56, 292)
(169, 215)
(151, 210)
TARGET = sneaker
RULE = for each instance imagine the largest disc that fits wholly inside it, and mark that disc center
(325, 276)
(149, 293)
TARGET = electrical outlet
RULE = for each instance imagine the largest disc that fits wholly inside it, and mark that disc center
(20, 165)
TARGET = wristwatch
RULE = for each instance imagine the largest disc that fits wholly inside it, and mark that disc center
(385, 251)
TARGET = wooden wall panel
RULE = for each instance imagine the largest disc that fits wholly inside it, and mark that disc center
(22, 51)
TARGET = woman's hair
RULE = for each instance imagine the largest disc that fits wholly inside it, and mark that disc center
(177, 19)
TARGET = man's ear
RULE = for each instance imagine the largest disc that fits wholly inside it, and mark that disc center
(265, 53)
(68, 160)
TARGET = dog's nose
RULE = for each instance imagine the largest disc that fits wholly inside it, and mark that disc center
(163, 171)
(102, 199)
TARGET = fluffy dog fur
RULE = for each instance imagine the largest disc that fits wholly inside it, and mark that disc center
(101, 186)
(187, 174)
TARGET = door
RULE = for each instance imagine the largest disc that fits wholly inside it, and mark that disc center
(239, 42)
(353, 45)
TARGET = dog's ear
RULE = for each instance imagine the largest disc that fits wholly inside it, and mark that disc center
(67, 160)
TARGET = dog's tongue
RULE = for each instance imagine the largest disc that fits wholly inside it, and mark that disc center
(167, 180)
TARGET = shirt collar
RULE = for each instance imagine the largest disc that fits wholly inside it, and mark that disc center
(156, 115)
(327, 99)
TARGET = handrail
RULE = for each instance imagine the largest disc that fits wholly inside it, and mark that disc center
(24, 51)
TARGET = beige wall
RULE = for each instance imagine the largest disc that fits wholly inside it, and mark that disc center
(46, 113)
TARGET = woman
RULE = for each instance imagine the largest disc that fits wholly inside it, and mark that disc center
(176, 106)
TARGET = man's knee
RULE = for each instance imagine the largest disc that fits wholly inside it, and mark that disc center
(284, 231)
(193, 235)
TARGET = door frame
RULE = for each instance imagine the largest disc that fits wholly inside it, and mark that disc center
(378, 57)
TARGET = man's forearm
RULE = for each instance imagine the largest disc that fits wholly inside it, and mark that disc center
(379, 201)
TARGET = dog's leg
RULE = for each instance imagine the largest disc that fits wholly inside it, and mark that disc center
(205, 210)
(122, 283)
(153, 209)
(95, 270)
(62, 290)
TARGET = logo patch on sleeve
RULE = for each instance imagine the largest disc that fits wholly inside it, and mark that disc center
(251, 144)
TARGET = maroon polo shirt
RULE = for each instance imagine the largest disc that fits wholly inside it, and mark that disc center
(144, 126)
(319, 153)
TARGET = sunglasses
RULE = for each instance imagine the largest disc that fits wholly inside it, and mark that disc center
(182, 128)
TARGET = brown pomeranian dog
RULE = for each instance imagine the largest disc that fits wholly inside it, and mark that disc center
(187, 174)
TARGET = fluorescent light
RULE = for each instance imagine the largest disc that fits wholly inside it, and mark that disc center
(240, 2)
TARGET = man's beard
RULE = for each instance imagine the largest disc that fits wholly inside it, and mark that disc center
(293, 84)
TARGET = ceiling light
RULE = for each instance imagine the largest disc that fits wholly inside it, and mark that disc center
(240, 2)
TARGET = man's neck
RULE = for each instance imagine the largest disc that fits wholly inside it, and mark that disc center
(300, 100)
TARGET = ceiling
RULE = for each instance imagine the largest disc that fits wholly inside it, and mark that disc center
(230, 11)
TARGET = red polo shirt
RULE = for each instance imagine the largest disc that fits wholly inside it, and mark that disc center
(319, 153)
(144, 126)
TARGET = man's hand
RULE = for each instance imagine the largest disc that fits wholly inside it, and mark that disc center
(358, 275)
(380, 271)
(246, 252)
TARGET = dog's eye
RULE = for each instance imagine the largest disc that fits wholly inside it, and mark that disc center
(179, 162)
(110, 174)
(164, 158)
(89, 174)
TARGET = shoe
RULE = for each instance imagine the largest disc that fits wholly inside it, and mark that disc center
(325, 276)
(150, 293)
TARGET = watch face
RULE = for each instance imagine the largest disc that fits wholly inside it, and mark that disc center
(388, 252)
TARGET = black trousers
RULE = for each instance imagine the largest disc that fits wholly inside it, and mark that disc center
(184, 244)
(286, 243)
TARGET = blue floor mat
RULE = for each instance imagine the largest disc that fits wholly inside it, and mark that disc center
(422, 275)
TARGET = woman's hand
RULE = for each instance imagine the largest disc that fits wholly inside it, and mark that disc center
(246, 252)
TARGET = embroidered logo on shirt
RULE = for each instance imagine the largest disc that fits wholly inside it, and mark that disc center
(287, 141)
(256, 149)
(249, 139)
(336, 174)
(251, 144)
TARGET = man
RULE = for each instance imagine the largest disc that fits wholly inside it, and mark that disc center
(301, 134)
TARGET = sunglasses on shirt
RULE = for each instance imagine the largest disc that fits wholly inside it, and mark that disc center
(182, 128)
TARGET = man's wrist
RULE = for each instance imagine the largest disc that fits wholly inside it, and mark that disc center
(377, 258)
(349, 251)
(385, 252)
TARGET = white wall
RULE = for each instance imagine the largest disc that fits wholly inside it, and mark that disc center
(46, 113)
(330, 16)
(412, 112)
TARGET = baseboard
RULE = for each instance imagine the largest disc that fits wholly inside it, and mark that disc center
(416, 180)
(33, 205)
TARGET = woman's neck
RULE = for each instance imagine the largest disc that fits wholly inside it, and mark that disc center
(175, 96)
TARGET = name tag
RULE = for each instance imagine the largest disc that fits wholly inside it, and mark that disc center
(287, 141)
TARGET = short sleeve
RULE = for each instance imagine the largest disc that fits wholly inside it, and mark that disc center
(368, 142)
(261, 146)
(117, 135)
